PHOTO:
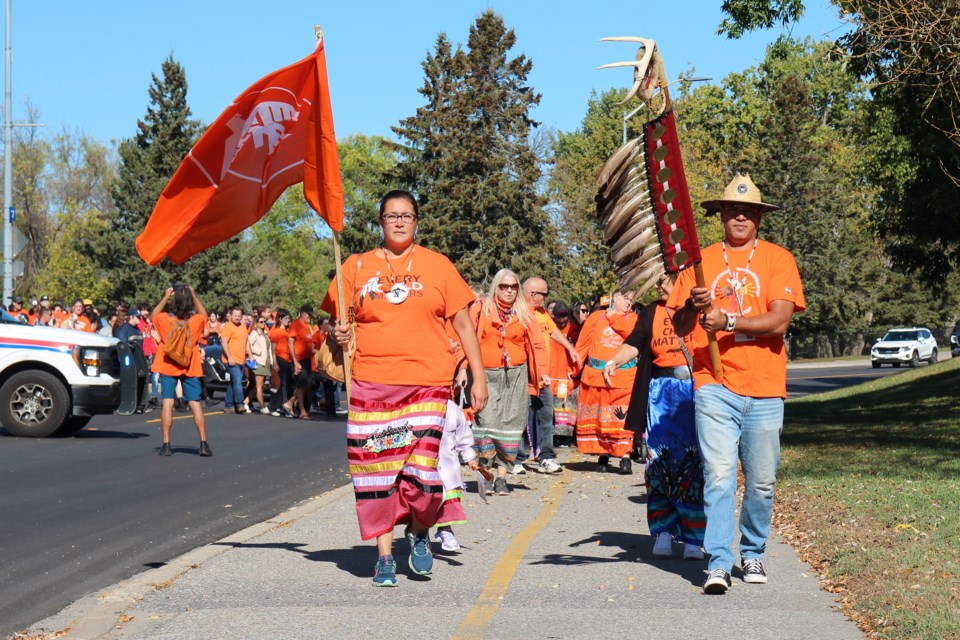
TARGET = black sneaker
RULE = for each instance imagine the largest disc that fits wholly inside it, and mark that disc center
(500, 487)
(602, 463)
(626, 467)
(753, 572)
(205, 449)
(718, 581)
(165, 449)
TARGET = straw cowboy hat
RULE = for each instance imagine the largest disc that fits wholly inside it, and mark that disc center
(741, 190)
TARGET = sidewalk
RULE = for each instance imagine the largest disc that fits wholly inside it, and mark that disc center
(563, 556)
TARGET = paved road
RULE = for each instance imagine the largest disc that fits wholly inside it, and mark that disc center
(80, 513)
(806, 378)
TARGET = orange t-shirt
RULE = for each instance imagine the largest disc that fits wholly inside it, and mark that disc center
(495, 339)
(562, 367)
(547, 327)
(403, 343)
(663, 341)
(161, 324)
(302, 336)
(83, 323)
(600, 337)
(233, 337)
(278, 336)
(752, 367)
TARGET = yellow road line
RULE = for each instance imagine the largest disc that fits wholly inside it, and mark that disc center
(474, 625)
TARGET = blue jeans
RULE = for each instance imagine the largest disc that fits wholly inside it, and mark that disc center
(235, 389)
(731, 426)
(540, 417)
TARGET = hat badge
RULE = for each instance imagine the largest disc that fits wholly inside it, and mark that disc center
(742, 188)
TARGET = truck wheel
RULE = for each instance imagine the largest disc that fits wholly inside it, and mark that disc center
(914, 360)
(933, 357)
(73, 424)
(33, 404)
(876, 365)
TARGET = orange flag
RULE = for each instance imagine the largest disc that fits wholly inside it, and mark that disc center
(277, 133)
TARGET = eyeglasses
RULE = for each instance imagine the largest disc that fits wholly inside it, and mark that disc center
(739, 209)
(391, 218)
(540, 293)
(509, 287)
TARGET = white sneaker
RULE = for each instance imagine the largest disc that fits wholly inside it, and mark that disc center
(550, 466)
(448, 541)
(663, 547)
(518, 469)
(692, 552)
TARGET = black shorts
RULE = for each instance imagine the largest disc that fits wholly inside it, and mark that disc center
(304, 380)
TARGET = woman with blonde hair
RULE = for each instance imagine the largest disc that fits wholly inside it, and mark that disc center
(514, 359)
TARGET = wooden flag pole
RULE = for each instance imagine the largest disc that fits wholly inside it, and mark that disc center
(341, 308)
(711, 335)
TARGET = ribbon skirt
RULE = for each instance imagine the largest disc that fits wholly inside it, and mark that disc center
(393, 442)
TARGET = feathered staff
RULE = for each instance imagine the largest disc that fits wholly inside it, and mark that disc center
(642, 197)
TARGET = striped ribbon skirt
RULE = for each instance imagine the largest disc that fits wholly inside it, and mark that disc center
(393, 441)
(600, 417)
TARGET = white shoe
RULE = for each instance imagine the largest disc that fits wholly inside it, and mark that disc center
(518, 469)
(448, 541)
(550, 466)
(692, 552)
(663, 547)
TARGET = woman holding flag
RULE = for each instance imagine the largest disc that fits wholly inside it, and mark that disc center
(399, 296)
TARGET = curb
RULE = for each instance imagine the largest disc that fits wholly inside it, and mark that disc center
(102, 612)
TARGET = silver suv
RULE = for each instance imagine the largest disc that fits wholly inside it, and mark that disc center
(904, 346)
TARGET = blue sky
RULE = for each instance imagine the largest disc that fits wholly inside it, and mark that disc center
(87, 65)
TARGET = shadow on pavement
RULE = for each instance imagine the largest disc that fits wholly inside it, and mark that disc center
(633, 548)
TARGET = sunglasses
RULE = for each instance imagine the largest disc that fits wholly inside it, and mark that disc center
(540, 293)
(509, 287)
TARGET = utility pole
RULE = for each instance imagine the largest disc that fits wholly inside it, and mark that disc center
(7, 171)
(8, 211)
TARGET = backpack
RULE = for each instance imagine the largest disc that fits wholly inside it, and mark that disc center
(178, 346)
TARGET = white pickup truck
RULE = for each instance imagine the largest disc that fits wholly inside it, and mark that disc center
(52, 381)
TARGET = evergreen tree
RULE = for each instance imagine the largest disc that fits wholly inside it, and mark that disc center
(470, 161)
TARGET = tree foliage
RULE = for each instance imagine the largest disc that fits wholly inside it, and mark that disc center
(366, 164)
(908, 51)
(467, 156)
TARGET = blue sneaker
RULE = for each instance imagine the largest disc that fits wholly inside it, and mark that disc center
(421, 558)
(385, 572)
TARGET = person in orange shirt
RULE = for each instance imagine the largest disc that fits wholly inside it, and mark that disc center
(515, 364)
(601, 409)
(752, 290)
(184, 302)
(662, 413)
(540, 418)
(78, 319)
(400, 296)
(283, 365)
(233, 339)
(563, 368)
(300, 345)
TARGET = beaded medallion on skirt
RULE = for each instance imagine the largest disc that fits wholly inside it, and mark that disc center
(393, 440)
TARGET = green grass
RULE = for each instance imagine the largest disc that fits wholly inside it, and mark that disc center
(869, 492)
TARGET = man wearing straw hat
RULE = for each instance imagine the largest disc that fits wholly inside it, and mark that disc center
(752, 291)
